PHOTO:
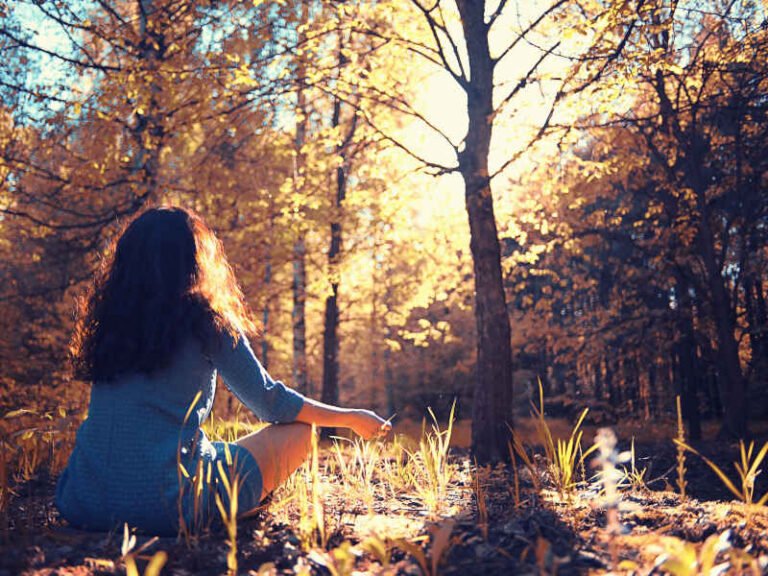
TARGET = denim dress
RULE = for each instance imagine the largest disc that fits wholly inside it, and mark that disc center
(141, 456)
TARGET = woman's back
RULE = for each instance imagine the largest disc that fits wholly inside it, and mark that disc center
(124, 465)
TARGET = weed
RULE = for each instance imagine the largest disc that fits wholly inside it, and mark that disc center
(303, 487)
(481, 473)
(229, 515)
(562, 456)
(680, 445)
(632, 475)
(515, 446)
(129, 555)
(747, 468)
(681, 558)
(441, 543)
(379, 548)
(358, 471)
(435, 470)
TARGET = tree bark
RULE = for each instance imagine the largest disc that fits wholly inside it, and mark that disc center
(298, 314)
(492, 406)
(299, 285)
(330, 394)
(148, 130)
(688, 372)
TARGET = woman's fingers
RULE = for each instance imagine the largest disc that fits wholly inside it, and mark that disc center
(369, 425)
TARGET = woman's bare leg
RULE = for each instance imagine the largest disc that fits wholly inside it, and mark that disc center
(278, 449)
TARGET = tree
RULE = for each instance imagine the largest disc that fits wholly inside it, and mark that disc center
(463, 51)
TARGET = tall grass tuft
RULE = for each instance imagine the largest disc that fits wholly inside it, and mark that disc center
(434, 469)
(359, 469)
(747, 467)
(562, 456)
(229, 514)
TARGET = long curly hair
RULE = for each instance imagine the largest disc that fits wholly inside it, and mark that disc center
(164, 278)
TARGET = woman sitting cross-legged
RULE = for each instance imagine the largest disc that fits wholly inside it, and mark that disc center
(165, 315)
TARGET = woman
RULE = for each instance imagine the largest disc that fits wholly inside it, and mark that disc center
(164, 317)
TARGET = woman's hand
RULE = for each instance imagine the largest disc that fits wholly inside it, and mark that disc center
(368, 424)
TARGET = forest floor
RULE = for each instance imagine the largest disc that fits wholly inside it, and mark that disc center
(477, 522)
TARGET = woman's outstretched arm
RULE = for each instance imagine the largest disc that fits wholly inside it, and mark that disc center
(363, 422)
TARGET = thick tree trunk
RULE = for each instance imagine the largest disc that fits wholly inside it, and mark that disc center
(492, 407)
(732, 383)
(692, 151)
(148, 130)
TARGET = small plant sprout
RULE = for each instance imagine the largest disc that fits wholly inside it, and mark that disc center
(516, 447)
(680, 444)
(632, 474)
(129, 555)
(317, 504)
(154, 567)
(441, 543)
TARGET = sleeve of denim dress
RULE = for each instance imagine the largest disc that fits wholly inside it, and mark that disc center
(270, 400)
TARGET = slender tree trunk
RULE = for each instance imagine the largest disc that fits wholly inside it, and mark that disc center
(330, 392)
(373, 336)
(492, 406)
(688, 371)
(299, 285)
(298, 314)
(265, 310)
(389, 381)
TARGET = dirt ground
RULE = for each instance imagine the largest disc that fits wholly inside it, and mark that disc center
(496, 530)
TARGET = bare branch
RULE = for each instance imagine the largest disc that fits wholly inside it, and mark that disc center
(435, 28)
(529, 29)
(523, 82)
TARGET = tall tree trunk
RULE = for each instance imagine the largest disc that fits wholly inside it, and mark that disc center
(265, 310)
(330, 392)
(688, 372)
(730, 378)
(693, 148)
(148, 130)
(492, 406)
(373, 336)
(298, 314)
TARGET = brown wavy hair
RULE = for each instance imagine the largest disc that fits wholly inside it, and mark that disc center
(165, 277)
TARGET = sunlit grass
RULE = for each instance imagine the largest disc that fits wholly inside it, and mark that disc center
(358, 465)
(229, 513)
(369, 485)
(433, 470)
(562, 456)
